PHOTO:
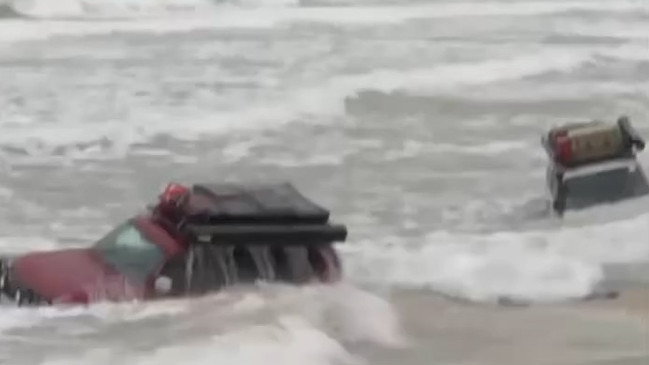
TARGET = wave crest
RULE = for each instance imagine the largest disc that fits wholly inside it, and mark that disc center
(102, 9)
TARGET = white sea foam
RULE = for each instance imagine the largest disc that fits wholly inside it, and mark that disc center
(128, 8)
(535, 266)
(288, 324)
(291, 341)
(203, 14)
(323, 99)
(390, 13)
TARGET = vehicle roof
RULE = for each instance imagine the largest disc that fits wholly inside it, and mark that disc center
(595, 168)
(229, 203)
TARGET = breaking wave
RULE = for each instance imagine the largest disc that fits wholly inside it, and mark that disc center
(310, 325)
(533, 266)
(120, 9)
(330, 99)
(326, 9)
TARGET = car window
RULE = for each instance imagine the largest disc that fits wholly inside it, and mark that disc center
(128, 251)
(615, 166)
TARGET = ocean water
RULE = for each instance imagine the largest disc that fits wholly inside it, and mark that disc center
(416, 122)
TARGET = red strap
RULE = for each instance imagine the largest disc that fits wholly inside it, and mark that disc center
(172, 192)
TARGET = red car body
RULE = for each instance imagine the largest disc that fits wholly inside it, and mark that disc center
(123, 265)
(82, 275)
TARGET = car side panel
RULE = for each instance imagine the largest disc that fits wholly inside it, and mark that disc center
(72, 275)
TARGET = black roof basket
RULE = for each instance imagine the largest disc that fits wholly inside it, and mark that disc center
(632, 142)
(256, 214)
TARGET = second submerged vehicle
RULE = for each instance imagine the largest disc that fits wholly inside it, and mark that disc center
(592, 163)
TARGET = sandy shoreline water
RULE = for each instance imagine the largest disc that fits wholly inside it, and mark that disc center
(633, 302)
(611, 332)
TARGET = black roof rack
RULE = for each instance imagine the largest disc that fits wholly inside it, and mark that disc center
(269, 234)
(256, 214)
(248, 204)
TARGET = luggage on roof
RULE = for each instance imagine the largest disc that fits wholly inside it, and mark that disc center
(577, 144)
(262, 214)
(259, 204)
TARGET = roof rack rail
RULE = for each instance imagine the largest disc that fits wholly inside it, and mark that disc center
(251, 234)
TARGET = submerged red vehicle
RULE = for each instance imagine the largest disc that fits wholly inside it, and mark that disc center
(195, 240)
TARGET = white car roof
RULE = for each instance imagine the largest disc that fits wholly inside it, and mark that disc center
(617, 164)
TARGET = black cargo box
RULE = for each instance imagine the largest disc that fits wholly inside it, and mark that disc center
(222, 203)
